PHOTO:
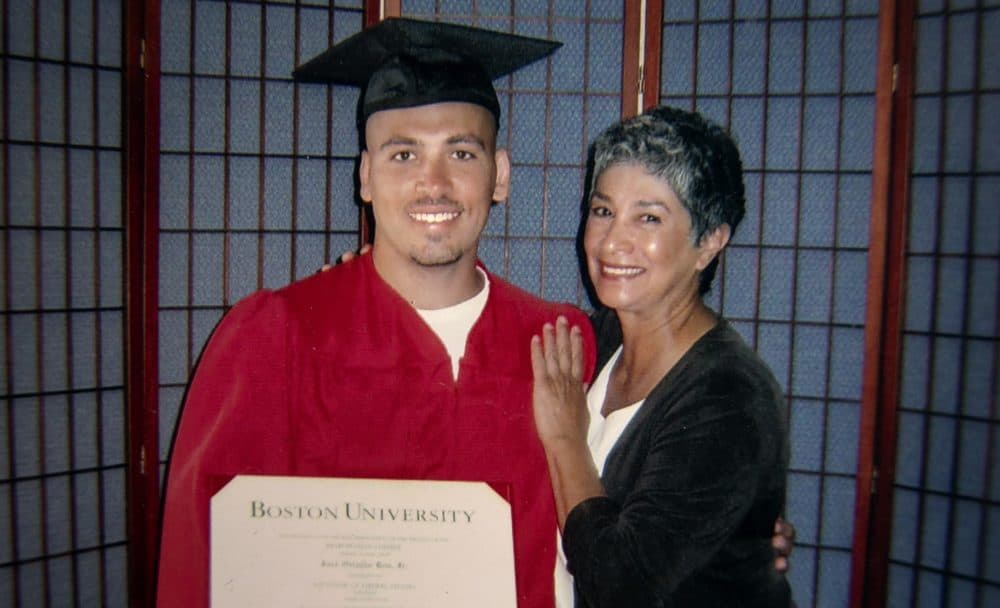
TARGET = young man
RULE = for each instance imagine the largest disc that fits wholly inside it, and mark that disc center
(411, 362)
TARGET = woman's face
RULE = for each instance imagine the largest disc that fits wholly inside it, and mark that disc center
(637, 240)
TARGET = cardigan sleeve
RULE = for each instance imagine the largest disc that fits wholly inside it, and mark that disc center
(696, 480)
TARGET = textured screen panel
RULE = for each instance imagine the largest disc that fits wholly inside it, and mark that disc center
(795, 82)
(62, 416)
(946, 520)
(256, 172)
(551, 111)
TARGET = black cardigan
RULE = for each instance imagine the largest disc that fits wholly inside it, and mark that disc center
(694, 483)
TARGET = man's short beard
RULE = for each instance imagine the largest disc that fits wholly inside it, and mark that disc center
(441, 261)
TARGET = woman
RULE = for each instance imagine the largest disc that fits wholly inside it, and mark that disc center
(670, 471)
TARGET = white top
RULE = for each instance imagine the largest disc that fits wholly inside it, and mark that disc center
(602, 436)
(453, 324)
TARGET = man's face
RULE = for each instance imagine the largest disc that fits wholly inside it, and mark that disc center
(431, 174)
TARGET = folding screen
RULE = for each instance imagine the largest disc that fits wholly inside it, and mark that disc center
(795, 82)
(62, 411)
(256, 189)
(946, 523)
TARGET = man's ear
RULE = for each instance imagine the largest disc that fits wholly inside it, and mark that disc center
(501, 188)
(364, 177)
(712, 244)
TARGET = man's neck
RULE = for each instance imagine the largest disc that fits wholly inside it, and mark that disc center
(432, 287)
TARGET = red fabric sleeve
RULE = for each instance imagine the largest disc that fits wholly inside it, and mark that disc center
(235, 419)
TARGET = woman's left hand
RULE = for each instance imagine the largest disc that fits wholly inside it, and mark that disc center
(560, 402)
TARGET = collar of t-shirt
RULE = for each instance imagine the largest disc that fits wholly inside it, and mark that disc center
(453, 324)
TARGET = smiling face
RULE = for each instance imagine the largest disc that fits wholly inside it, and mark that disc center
(431, 174)
(638, 243)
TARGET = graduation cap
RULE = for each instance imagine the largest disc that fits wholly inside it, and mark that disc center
(402, 63)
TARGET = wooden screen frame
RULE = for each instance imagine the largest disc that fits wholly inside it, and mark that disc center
(885, 304)
(141, 184)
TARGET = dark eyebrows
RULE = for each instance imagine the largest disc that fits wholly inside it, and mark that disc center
(597, 194)
(397, 140)
(467, 138)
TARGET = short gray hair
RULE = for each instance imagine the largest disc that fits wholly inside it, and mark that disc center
(694, 156)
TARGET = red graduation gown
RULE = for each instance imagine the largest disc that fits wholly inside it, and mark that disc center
(336, 375)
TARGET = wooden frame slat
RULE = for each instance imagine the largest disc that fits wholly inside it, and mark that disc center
(884, 314)
(141, 184)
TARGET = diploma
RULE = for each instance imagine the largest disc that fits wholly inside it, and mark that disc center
(310, 542)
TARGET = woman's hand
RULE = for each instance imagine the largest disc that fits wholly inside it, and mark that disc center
(347, 256)
(561, 416)
(560, 403)
(782, 541)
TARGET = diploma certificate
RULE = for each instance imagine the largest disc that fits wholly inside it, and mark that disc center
(312, 542)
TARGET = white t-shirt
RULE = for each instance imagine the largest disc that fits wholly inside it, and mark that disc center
(453, 324)
(602, 436)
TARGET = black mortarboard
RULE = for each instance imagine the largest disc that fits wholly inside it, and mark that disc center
(402, 63)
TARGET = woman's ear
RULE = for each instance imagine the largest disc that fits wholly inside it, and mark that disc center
(712, 244)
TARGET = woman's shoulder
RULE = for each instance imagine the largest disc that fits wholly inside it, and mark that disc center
(722, 352)
(719, 376)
